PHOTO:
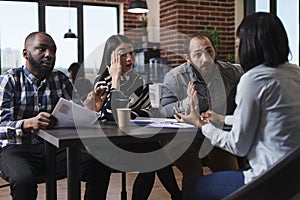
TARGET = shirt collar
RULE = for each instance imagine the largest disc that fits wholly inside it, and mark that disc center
(31, 78)
(196, 76)
(126, 76)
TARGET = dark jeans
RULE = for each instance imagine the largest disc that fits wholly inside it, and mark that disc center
(214, 186)
(144, 182)
(22, 164)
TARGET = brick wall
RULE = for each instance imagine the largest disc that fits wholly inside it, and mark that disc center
(190, 16)
(180, 18)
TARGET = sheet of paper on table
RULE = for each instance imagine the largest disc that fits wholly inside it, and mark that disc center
(70, 114)
(161, 123)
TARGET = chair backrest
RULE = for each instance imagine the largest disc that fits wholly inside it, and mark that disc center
(282, 181)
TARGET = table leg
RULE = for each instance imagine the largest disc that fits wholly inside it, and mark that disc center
(124, 191)
(50, 152)
(73, 159)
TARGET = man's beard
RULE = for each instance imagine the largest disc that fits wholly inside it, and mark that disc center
(45, 71)
(205, 72)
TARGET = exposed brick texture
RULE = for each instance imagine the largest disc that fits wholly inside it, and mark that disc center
(187, 17)
(190, 16)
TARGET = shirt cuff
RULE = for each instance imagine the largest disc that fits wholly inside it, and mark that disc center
(211, 132)
(19, 124)
(229, 119)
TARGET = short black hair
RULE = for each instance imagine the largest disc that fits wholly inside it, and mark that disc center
(32, 36)
(263, 40)
(196, 35)
(76, 70)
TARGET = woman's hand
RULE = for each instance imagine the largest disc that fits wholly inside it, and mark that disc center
(96, 99)
(214, 118)
(115, 70)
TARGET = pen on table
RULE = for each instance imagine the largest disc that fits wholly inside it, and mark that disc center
(176, 123)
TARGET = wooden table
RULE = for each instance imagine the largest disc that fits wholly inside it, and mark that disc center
(69, 138)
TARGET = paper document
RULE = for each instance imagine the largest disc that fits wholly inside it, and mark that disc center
(161, 123)
(146, 120)
(170, 125)
(70, 114)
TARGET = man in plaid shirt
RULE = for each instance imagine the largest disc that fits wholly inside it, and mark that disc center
(28, 95)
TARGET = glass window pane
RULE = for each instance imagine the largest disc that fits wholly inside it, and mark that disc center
(262, 5)
(99, 23)
(289, 14)
(17, 20)
(67, 51)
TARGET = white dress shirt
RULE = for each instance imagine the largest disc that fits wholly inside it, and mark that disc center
(266, 122)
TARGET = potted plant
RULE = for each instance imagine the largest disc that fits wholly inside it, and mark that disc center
(144, 24)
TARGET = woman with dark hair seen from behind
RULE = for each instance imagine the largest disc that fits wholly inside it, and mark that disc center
(263, 123)
(118, 87)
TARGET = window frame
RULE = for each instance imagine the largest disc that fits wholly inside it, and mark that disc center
(79, 6)
(75, 4)
(249, 7)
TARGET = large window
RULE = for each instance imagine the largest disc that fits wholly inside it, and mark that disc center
(289, 15)
(263, 6)
(96, 32)
(67, 49)
(91, 22)
(16, 22)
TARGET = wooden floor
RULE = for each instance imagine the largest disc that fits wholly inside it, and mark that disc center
(114, 190)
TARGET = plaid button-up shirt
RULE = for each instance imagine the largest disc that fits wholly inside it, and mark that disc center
(21, 97)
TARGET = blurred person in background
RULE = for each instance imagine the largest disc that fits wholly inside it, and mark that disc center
(77, 77)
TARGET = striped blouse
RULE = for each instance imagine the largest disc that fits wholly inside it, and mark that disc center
(133, 93)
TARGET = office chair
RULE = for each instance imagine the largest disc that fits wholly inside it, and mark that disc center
(281, 181)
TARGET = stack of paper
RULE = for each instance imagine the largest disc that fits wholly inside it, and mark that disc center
(161, 123)
(70, 114)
